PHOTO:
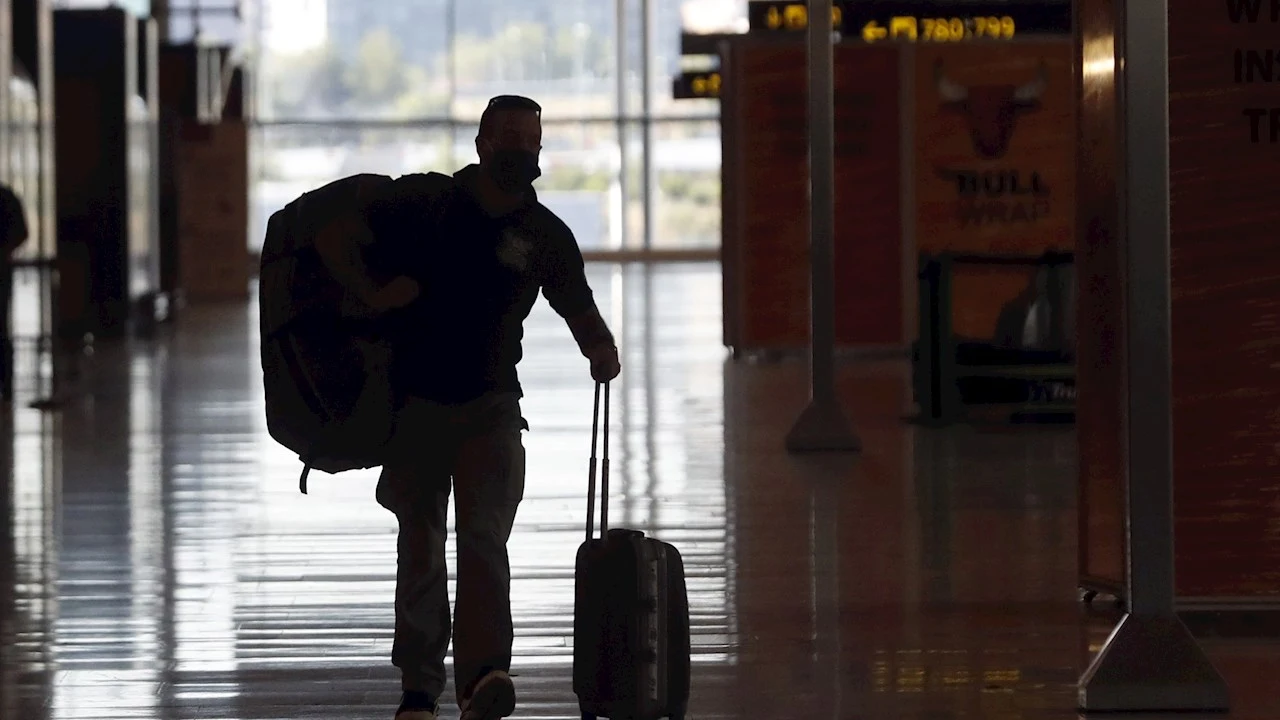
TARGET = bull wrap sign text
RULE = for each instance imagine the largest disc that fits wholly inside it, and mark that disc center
(995, 150)
(994, 170)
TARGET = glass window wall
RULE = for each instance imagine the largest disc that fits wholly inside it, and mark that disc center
(397, 86)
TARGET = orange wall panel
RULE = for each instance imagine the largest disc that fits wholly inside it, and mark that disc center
(213, 211)
(767, 190)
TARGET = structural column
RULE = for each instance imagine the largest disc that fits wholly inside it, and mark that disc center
(823, 425)
(160, 11)
(6, 60)
(1150, 662)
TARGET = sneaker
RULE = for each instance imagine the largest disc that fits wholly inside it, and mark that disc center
(416, 708)
(492, 698)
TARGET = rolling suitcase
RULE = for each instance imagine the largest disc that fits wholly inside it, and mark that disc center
(631, 652)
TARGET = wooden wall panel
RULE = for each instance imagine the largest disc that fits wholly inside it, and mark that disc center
(213, 184)
(994, 163)
(1226, 302)
(1100, 368)
(81, 177)
(6, 70)
(766, 187)
(33, 49)
(106, 170)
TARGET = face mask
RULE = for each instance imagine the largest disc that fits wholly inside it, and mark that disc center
(514, 170)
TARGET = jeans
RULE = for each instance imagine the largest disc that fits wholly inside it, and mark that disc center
(476, 448)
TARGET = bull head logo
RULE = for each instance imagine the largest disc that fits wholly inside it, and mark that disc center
(991, 110)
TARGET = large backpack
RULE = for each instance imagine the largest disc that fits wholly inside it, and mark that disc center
(326, 371)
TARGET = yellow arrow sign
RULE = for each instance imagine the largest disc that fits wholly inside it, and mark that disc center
(900, 26)
(873, 31)
(709, 85)
(773, 18)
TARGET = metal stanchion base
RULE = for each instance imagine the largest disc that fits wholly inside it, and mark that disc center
(823, 427)
(1152, 664)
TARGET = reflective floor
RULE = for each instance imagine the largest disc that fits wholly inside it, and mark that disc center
(158, 561)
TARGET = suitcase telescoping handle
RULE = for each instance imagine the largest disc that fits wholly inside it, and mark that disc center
(602, 463)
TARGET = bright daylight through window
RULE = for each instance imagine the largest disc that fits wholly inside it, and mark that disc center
(396, 86)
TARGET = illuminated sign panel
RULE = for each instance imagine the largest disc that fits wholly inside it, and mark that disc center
(920, 22)
(695, 85)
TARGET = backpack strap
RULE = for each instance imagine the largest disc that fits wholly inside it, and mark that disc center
(302, 479)
(295, 369)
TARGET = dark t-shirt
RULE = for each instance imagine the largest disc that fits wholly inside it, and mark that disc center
(480, 276)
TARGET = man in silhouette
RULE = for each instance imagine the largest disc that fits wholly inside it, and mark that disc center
(13, 234)
(471, 260)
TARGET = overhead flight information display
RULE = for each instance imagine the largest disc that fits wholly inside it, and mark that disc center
(696, 85)
(919, 21)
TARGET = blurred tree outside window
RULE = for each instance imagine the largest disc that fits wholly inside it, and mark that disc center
(570, 178)
(690, 209)
(378, 77)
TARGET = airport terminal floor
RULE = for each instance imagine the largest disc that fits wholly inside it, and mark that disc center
(159, 562)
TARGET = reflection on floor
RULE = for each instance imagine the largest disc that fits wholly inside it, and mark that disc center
(159, 562)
